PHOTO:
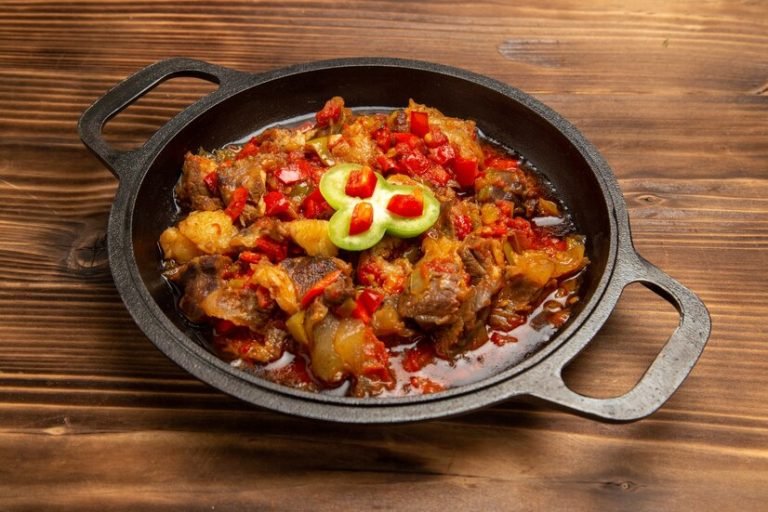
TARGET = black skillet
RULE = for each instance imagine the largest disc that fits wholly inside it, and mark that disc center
(245, 102)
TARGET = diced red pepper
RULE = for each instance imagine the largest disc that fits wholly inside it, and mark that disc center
(376, 358)
(250, 148)
(223, 326)
(500, 339)
(419, 123)
(361, 313)
(366, 304)
(330, 113)
(315, 206)
(249, 257)
(319, 287)
(276, 204)
(436, 174)
(442, 154)
(294, 373)
(410, 140)
(264, 298)
(237, 203)
(361, 183)
(292, 173)
(502, 164)
(414, 161)
(385, 163)
(211, 181)
(407, 205)
(465, 170)
(272, 249)
(383, 138)
(416, 358)
(426, 385)
(362, 218)
(370, 300)
(462, 226)
(435, 138)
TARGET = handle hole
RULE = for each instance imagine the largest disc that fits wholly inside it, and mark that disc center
(132, 127)
(616, 359)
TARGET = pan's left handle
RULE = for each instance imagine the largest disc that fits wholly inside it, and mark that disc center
(118, 98)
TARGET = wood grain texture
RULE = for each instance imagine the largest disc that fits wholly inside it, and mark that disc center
(93, 417)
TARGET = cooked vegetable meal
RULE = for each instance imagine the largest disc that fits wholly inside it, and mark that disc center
(370, 253)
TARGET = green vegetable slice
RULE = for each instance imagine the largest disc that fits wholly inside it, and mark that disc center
(332, 187)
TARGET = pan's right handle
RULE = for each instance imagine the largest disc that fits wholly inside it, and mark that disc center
(665, 374)
(92, 121)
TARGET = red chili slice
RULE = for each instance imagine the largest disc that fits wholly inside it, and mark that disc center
(318, 288)
(406, 205)
(502, 164)
(237, 203)
(465, 170)
(272, 249)
(361, 183)
(362, 218)
(211, 181)
(249, 257)
(419, 123)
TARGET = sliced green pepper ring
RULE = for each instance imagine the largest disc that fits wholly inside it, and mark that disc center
(332, 187)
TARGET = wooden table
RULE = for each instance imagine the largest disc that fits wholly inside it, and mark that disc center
(93, 417)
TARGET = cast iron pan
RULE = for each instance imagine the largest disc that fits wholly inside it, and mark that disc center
(245, 102)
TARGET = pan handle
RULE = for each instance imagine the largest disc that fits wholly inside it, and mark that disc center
(667, 372)
(122, 95)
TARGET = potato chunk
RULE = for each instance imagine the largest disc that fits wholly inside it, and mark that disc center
(178, 247)
(312, 236)
(209, 231)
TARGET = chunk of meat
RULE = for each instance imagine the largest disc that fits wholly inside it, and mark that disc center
(198, 279)
(192, 190)
(269, 227)
(244, 345)
(277, 140)
(512, 185)
(314, 276)
(438, 285)
(247, 173)
(484, 261)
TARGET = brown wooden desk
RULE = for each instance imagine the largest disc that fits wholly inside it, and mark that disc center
(93, 417)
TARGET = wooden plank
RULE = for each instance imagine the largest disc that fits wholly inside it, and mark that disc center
(93, 417)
